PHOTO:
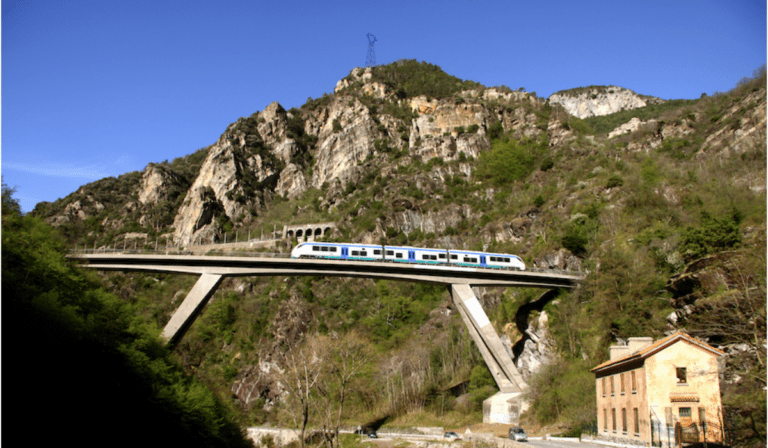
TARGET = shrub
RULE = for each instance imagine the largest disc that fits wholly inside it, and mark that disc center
(614, 181)
(506, 162)
(714, 234)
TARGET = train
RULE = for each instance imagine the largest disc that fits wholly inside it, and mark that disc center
(407, 254)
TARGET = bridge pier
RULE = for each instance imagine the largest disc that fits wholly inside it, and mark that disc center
(191, 306)
(508, 403)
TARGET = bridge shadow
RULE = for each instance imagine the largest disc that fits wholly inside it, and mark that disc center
(521, 318)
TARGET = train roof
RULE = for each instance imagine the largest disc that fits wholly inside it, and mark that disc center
(415, 248)
(321, 243)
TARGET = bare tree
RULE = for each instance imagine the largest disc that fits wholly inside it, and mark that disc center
(346, 359)
(303, 368)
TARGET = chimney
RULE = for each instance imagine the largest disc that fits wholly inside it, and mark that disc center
(636, 344)
(617, 351)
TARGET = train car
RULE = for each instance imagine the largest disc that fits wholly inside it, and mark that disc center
(485, 260)
(407, 254)
(341, 251)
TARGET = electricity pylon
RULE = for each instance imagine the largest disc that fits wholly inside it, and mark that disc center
(370, 61)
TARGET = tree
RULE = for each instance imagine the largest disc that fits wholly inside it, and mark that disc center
(303, 365)
(347, 358)
(10, 205)
(109, 367)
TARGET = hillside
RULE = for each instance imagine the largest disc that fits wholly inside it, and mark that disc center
(666, 217)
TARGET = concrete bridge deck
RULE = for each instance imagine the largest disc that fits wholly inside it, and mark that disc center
(262, 264)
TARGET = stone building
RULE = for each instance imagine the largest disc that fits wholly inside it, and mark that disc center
(658, 392)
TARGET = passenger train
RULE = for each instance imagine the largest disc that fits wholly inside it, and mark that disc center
(406, 254)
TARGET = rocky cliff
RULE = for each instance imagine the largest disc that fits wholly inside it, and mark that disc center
(599, 100)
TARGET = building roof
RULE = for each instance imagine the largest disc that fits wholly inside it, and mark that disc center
(656, 347)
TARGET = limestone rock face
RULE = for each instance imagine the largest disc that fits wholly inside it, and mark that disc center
(439, 117)
(156, 183)
(219, 188)
(563, 259)
(748, 132)
(522, 123)
(630, 126)
(292, 182)
(338, 152)
(598, 101)
(272, 127)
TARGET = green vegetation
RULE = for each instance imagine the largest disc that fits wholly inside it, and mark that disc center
(509, 161)
(410, 78)
(606, 123)
(106, 367)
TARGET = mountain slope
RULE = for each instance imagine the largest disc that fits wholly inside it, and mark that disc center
(407, 154)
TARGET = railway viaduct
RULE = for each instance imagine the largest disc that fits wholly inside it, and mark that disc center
(504, 407)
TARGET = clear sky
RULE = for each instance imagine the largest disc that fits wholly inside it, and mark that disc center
(97, 88)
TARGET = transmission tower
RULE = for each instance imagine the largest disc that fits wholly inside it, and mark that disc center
(370, 61)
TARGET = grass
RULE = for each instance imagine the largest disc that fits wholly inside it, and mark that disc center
(422, 418)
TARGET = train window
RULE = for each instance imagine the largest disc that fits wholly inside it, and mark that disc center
(507, 260)
(493, 258)
(434, 257)
(363, 253)
(324, 249)
(355, 253)
(333, 249)
(467, 260)
(399, 255)
(454, 257)
(390, 252)
(425, 257)
(441, 256)
(376, 252)
(315, 248)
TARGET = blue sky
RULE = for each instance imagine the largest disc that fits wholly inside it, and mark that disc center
(97, 88)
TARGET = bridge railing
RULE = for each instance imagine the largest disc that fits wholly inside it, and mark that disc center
(253, 254)
(175, 251)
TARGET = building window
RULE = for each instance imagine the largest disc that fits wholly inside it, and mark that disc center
(634, 382)
(604, 391)
(605, 419)
(685, 412)
(624, 420)
(621, 379)
(613, 418)
(636, 416)
(682, 377)
(613, 391)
